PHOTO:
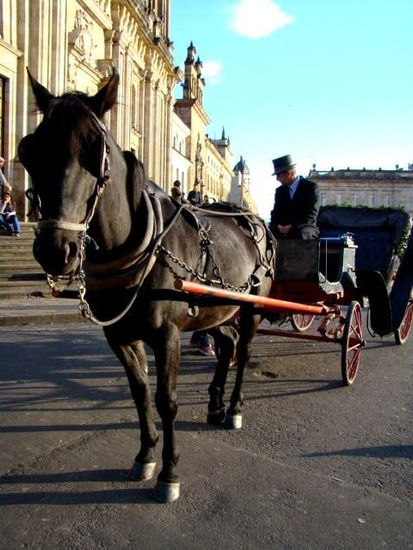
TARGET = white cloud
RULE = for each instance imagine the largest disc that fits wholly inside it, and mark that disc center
(258, 18)
(212, 71)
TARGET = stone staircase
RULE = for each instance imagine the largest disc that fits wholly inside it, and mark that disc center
(20, 274)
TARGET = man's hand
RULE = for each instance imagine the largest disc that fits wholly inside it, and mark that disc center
(284, 229)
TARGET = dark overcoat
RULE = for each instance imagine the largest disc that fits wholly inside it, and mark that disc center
(300, 211)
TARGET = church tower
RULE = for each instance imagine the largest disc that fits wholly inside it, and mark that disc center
(194, 84)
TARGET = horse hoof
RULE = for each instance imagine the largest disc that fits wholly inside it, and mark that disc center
(216, 418)
(141, 471)
(234, 421)
(167, 491)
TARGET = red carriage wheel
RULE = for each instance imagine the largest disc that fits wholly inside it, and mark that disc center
(302, 321)
(351, 344)
(402, 333)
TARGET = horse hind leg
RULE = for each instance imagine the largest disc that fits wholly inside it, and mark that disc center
(134, 360)
(225, 338)
(248, 324)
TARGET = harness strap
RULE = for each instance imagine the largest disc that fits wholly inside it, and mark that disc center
(150, 260)
(61, 224)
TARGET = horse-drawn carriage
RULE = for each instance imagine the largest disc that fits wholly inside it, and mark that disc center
(126, 265)
(354, 264)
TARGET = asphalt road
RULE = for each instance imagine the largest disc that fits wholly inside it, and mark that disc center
(316, 465)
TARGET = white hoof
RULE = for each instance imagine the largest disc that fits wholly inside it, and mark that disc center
(235, 421)
(143, 471)
(167, 492)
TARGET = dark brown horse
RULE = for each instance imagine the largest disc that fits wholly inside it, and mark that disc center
(125, 242)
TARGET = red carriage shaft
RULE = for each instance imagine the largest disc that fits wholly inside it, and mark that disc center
(270, 303)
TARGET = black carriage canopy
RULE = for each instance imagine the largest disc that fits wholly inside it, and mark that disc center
(379, 233)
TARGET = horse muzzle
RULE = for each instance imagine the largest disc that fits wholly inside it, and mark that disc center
(57, 250)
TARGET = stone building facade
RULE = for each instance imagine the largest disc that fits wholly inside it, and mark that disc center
(374, 188)
(73, 45)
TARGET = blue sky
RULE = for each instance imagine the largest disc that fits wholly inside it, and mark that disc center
(328, 81)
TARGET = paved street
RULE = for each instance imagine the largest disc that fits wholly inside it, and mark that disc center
(316, 465)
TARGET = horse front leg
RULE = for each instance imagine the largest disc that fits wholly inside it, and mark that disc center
(133, 358)
(247, 328)
(167, 357)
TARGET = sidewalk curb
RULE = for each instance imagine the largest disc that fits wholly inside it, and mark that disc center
(42, 319)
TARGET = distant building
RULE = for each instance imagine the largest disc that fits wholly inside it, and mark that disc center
(209, 161)
(374, 188)
(240, 186)
(180, 162)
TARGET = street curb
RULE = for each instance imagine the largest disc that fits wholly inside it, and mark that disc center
(46, 319)
(38, 311)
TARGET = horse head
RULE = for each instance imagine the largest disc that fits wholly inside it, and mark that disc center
(68, 159)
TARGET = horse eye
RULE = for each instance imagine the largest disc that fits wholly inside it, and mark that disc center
(89, 155)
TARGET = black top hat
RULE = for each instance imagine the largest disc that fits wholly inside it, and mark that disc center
(281, 164)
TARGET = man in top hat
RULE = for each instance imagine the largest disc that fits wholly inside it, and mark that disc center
(296, 203)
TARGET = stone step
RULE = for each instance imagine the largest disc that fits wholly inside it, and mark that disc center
(25, 258)
(21, 276)
(19, 267)
(11, 283)
(13, 243)
(23, 284)
(24, 291)
(36, 276)
(38, 310)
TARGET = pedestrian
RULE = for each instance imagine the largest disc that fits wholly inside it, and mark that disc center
(200, 340)
(296, 203)
(4, 184)
(176, 191)
(194, 196)
(8, 215)
(205, 202)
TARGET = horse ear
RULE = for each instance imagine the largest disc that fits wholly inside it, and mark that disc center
(106, 96)
(42, 95)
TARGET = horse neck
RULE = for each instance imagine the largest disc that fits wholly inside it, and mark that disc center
(112, 222)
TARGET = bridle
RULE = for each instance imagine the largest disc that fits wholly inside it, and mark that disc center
(102, 181)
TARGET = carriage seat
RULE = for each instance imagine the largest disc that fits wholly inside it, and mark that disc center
(306, 272)
(376, 232)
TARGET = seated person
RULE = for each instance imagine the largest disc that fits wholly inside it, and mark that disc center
(176, 192)
(296, 203)
(8, 216)
(194, 196)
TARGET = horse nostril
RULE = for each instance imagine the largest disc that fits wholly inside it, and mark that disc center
(71, 252)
